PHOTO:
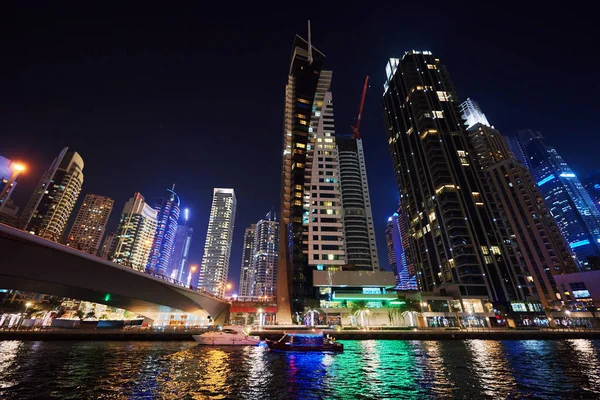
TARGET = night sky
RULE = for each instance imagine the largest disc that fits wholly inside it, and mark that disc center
(194, 96)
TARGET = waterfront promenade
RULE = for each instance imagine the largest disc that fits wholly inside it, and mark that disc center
(180, 334)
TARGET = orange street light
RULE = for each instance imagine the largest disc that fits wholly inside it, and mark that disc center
(228, 286)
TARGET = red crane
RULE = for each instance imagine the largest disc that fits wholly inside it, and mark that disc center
(356, 129)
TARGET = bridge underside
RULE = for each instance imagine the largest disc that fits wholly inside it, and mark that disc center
(32, 264)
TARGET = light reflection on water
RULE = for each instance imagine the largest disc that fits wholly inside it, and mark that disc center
(472, 369)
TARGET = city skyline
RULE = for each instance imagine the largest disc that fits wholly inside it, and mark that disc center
(468, 78)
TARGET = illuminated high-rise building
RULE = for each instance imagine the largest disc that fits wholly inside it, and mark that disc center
(135, 234)
(264, 260)
(164, 240)
(49, 208)
(456, 248)
(179, 264)
(104, 251)
(396, 257)
(246, 272)
(88, 229)
(534, 243)
(7, 171)
(217, 248)
(311, 226)
(575, 213)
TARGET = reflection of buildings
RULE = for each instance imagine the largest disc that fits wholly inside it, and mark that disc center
(135, 234)
(49, 208)
(217, 248)
(164, 239)
(575, 213)
(456, 249)
(89, 226)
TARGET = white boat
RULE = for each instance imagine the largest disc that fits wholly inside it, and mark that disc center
(228, 336)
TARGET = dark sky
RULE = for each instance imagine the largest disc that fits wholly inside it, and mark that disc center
(151, 96)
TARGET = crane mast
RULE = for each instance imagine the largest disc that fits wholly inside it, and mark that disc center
(356, 129)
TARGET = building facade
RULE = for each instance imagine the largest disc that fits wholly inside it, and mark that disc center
(88, 229)
(246, 272)
(217, 249)
(135, 234)
(6, 174)
(179, 265)
(359, 232)
(104, 251)
(405, 280)
(457, 250)
(164, 239)
(49, 208)
(263, 277)
(536, 246)
(575, 213)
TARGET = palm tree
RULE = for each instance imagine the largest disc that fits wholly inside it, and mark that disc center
(80, 315)
(90, 315)
(360, 309)
(456, 308)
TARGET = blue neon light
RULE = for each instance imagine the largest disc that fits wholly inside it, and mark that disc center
(546, 179)
(567, 175)
(579, 243)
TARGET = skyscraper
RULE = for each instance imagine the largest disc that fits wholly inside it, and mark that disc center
(49, 208)
(164, 239)
(6, 173)
(359, 232)
(534, 243)
(311, 230)
(264, 260)
(104, 251)
(575, 213)
(178, 268)
(132, 243)
(246, 273)
(457, 250)
(217, 249)
(396, 257)
(89, 226)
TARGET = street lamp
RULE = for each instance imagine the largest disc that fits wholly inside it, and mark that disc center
(189, 278)
(17, 169)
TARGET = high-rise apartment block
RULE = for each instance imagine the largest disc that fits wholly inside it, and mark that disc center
(135, 234)
(104, 251)
(217, 248)
(246, 272)
(405, 279)
(264, 261)
(179, 264)
(88, 229)
(457, 250)
(575, 213)
(164, 239)
(49, 208)
(535, 246)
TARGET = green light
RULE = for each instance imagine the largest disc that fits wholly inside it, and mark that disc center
(397, 302)
(107, 297)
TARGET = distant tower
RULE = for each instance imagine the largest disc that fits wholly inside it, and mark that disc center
(219, 236)
(405, 280)
(49, 208)
(264, 262)
(164, 239)
(89, 226)
(6, 172)
(135, 234)
(104, 251)
(246, 273)
(178, 268)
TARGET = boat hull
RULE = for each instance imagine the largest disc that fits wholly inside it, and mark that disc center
(225, 341)
(277, 346)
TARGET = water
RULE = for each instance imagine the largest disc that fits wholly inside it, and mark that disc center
(471, 369)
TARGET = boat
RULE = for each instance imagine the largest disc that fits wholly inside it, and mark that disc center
(304, 341)
(227, 336)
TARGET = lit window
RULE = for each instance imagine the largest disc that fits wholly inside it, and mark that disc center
(304, 116)
(438, 114)
(301, 100)
(495, 250)
(303, 122)
(430, 66)
(300, 145)
(443, 96)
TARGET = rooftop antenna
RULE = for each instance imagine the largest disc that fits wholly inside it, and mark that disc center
(310, 57)
(173, 188)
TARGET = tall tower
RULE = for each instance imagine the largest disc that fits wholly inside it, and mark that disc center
(89, 226)
(304, 99)
(178, 268)
(575, 213)
(49, 208)
(164, 240)
(135, 234)
(518, 208)
(264, 261)
(457, 250)
(359, 232)
(246, 273)
(217, 249)
(396, 257)
(104, 251)
(6, 172)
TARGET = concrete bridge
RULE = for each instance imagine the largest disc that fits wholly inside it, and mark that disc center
(30, 263)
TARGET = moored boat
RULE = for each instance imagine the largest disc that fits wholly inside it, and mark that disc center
(228, 336)
(314, 341)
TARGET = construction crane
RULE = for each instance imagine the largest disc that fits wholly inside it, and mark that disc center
(356, 129)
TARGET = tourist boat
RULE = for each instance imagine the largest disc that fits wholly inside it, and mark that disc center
(314, 341)
(228, 336)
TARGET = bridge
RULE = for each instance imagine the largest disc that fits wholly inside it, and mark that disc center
(30, 263)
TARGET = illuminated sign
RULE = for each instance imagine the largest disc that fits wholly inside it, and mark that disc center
(545, 180)
(581, 294)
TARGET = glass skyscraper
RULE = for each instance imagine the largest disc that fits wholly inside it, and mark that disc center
(164, 239)
(179, 268)
(405, 280)
(575, 213)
